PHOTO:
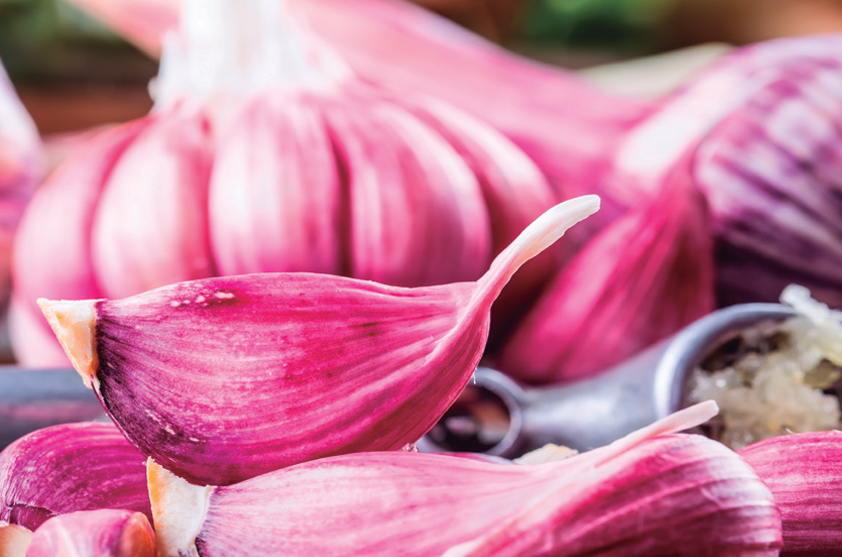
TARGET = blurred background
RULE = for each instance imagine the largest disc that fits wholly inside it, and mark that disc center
(73, 73)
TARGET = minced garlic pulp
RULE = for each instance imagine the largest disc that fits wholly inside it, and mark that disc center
(776, 378)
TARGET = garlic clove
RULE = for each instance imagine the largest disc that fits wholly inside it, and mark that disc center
(802, 471)
(617, 296)
(63, 207)
(151, 222)
(672, 495)
(100, 533)
(226, 378)
(651, 493)
(416, 212)
(275, 193)
(70, 467)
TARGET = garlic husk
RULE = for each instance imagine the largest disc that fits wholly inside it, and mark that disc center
(651, 493)
(100, 533)
(151, 221)
(70, 467)
(641, 279)
(803, 472)
(226, 378)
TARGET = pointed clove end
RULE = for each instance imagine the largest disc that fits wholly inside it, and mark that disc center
(73, 323)
(14, 540)
(178, 510)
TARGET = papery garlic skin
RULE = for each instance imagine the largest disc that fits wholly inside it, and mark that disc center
(223, 379)
(99, 533)
(70, 467)
(647, 494)
(804, 474)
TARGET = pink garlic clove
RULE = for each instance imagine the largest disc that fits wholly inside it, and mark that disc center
(70, 467)
(619, 296)
(151, 222)
(275, 194)
(804, 474)
(223, 379)
(100, 533)
(416, 212)
(648, 494)
(63, 208)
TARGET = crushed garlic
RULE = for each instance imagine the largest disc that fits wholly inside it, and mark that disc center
(776, 378)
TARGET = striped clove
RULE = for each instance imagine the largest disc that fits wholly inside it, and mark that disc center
(99, 533)
(227, 378)
(70, 467)
(617, 296)
(803, 472)
(651, 493)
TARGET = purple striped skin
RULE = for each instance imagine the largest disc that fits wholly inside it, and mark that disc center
(765, 147)
(226, 378)
(672, 495)
(70, 467)
(100, 533)
(230, 402)
(804, 472)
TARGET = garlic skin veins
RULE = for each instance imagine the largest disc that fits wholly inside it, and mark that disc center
(223, 379)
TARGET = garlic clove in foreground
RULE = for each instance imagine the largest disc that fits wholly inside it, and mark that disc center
(226, 378)
(100, 533)
(804, 473)
(651, 493)
(70, 467)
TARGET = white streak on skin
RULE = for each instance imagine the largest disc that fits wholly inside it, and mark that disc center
(223, 295)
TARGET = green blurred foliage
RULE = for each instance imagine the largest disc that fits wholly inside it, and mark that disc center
(626, 26)
(50, 39)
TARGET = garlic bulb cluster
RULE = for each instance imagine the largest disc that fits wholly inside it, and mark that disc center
(264, 153)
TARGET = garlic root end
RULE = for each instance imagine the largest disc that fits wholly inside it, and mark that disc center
(73, 323)
(178, 510)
